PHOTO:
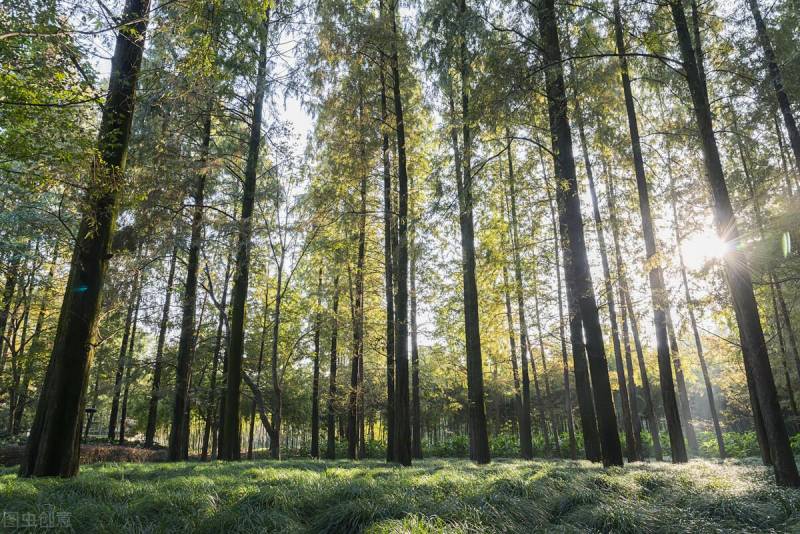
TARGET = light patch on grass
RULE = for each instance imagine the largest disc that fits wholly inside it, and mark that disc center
(433, 496)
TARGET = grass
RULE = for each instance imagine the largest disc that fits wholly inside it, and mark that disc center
(446, 496)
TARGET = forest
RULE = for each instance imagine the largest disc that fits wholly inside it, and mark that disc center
(400, 265)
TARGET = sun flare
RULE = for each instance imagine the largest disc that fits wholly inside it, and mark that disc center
(703, 247)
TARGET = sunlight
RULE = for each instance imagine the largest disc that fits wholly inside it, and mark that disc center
(700, 248)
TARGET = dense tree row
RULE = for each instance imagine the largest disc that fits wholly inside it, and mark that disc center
(568, 226)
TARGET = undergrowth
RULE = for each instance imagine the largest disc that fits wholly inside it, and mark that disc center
(435, 495)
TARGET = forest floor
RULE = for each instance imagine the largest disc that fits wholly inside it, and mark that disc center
(434, 495)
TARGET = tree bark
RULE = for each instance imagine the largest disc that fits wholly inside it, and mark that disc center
(777, 81)
(177, 438)
(230, 442)
(129, 369)
(692, 319)
(315, 379)
(402, 433)
(757, 365)
(632, 438)
(262, 342)
(54, 442)
(330, 452)
(211, 413)
(587, 394)
(526, 445)
(578, 276)
(122, 360)
(658, 291)
(358, 327)
(155, 390)
(629, 315)
(416, 410)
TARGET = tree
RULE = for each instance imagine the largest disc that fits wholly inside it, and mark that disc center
(230, 446)
(740, 283)
(53, 446)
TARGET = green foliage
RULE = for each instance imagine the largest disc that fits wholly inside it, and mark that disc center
(432, 496)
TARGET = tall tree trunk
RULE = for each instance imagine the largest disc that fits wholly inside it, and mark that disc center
(122, 360)
(330, 452)
(757, 364)
(658, 291)
(230, 442)
(264, 324)
(358, 326)
(277, 390)
(479, 439)
(782, 150)
(35, 347)
(129, 369)
(315, 379)
(526, 445)
(537, 311)
(388, 239)
(402, 433)
(632, 438)
(54, 442)
(782, 346)
(177, 438)
(629, 315)
(416, 411)
(155, 390)
(690, 308)
(777, 81)
(578, 276)
(211, 400)
(512, 343)
(9, 287)
(587, 394)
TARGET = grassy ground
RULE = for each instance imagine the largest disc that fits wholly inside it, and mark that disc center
(433, 496)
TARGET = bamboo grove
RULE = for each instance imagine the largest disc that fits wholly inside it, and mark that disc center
(375, 228)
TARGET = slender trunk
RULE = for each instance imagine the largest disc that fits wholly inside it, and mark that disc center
(315, 379)
(416, 411)
(388, 239)
(230, 442)
(36, 346)
(777, 81)
(632, 438)
(330, 452)
(512, 343)
(578, 275)
(479, 440)
(402, 433)
(658, 290)
(692, 318)
(537, 312)
(123, 352)
(782, 150)
(277, 390)
(9, 288)
(573, 446)
(209, 429)
(526, 445)
(630, 315)
(177, 437)
(757, 365)
(358, 327)
(54, 442)
(129, 369)
(782, 346)
(264, 324)
(155, 391)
